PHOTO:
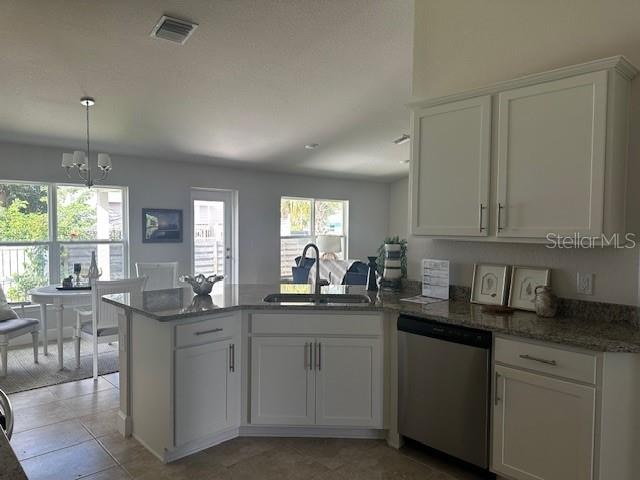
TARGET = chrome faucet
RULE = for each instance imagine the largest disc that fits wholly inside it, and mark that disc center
(301, 263)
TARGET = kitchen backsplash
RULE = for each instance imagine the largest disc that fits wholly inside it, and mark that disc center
(568, 307)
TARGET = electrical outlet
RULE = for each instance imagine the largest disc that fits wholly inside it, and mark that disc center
(585, 283)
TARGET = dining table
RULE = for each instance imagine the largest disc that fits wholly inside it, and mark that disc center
(58, 300)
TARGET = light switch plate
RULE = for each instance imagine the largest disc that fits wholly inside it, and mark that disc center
(585, 283)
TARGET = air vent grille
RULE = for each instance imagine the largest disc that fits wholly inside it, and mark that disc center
(173, 29)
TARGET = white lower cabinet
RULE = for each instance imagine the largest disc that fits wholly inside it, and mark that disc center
(207, 393)
(543, 427)
(348, 382)
(282, 381)
(561, 413)
(316, 381)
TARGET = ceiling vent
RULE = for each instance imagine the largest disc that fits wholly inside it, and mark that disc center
(173, 29)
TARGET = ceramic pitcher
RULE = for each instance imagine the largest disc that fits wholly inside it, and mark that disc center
(546, 302)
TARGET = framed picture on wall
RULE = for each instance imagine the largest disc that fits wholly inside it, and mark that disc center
(161, 225)
(524, 281)
(489, 284)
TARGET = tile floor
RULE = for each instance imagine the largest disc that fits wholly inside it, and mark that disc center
(68, 431)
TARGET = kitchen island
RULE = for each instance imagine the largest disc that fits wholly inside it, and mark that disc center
(198, 371)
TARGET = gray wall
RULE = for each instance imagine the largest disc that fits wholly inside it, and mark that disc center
(167, 185)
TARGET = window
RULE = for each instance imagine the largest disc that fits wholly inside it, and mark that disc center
(303, 220)
(46, 228)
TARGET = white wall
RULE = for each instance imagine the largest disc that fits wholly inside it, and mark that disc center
(612, 267)
(399, 208)
(164, 184)
(167, 185)
(460, 45)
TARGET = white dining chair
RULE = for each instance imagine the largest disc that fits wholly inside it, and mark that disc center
(12, 326)
(103, 323)
(160, 276)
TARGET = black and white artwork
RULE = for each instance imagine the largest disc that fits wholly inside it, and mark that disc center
(524, 281)
(489, 284)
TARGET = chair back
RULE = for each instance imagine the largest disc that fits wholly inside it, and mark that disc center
(104, 314)
(160, 276)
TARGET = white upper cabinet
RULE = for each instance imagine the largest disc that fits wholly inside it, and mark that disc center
(450, 168)
(551, 157)
(551, 160)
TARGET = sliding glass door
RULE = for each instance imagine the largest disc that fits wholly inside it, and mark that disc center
(212, 233)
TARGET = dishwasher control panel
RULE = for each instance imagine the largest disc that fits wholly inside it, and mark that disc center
(444, 331)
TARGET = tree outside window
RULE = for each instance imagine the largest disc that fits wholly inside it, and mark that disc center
(302, 220)
(87, 220)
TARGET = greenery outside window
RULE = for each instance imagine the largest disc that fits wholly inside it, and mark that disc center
(45, 228)
(302, 220)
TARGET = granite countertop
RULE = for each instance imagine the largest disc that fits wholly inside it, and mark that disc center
(11, 468)
(180, 303)
(605, 333)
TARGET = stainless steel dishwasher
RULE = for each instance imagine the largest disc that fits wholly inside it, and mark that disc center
(444, 381)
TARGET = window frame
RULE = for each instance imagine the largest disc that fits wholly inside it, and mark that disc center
(54, 245)
(313, 235)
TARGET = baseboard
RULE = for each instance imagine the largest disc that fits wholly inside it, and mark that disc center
(315, 431)
(394, 440)
(151, 450)
(171, 455)
(198, 445)
(124, 424)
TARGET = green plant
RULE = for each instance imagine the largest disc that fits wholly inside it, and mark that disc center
(396, 240)
(24, 218)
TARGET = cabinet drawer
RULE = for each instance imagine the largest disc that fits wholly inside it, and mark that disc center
(205, 331)
(316, 324)
(546, 359)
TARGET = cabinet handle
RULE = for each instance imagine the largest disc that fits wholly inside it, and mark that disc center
(213, 330)
(481, 212)
(500, 207)
(541, 360)
(319, 356)
(232, 354)
(312, 358)
(495, 393)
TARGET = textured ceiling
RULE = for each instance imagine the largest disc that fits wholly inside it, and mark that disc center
(256, 82)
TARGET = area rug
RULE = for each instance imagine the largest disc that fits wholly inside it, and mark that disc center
(23, 374)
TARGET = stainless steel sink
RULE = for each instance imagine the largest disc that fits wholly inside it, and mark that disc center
(311, 298)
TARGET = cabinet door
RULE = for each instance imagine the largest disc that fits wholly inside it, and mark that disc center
(282, 381)
(543, 428)
(349, 382)
(450, 168)
(206, 391)
(551, 154)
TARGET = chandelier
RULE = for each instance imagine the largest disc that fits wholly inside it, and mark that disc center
(79, 160)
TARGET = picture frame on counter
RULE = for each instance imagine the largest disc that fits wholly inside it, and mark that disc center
(524, 281)
(490, 284)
